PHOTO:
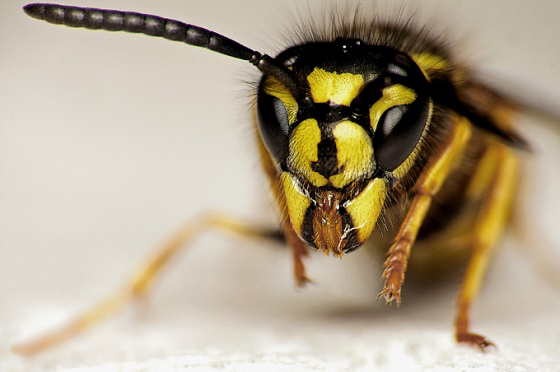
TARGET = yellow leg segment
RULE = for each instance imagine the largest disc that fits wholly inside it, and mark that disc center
(489, 226)
(427, 185)
(140, 282)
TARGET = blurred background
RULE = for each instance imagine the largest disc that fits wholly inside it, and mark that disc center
(109, 142)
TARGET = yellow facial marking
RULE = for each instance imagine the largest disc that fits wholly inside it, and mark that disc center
(337, 88)
(394, 95)
(274, 88)
(354, 153)
(427, 61)
(304, 151)
(297, 202)
(366, 207)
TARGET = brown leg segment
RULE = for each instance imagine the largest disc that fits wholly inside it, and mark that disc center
(299, 251)
(427, 185)
(140, 283)
(489, 226)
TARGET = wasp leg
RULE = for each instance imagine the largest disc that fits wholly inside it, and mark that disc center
(489, 226)
(299, 251)
(140, 282)
(427, 185)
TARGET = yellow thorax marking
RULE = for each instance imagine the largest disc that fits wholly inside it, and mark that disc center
(304, 150)
(394, 95)
(276, 89)
(354, 153)
(337, 88)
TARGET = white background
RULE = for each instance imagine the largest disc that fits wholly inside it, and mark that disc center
(109, 142)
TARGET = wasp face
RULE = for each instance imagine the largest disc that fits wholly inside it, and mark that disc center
(361, 114)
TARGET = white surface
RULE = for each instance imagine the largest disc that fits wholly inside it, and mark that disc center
(108, 142)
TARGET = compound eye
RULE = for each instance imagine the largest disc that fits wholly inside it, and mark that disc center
(276, 111)
(398, 132)
(273, 125)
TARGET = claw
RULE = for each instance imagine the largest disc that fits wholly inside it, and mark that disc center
(475, 340)
(390, 294)
(303, 281)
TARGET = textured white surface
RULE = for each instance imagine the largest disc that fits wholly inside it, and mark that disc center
(108, 142)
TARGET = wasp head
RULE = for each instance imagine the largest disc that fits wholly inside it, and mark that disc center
(360, 112)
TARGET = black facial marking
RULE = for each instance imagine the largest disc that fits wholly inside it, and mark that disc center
(327, 164)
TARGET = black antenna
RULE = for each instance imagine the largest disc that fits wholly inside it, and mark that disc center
(114, 20)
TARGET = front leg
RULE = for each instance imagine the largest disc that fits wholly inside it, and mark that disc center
(299, 251)
(428, 184)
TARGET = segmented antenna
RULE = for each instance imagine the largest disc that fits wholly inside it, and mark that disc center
(114, 20)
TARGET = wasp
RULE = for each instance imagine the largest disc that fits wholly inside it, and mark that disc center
(363, 126)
